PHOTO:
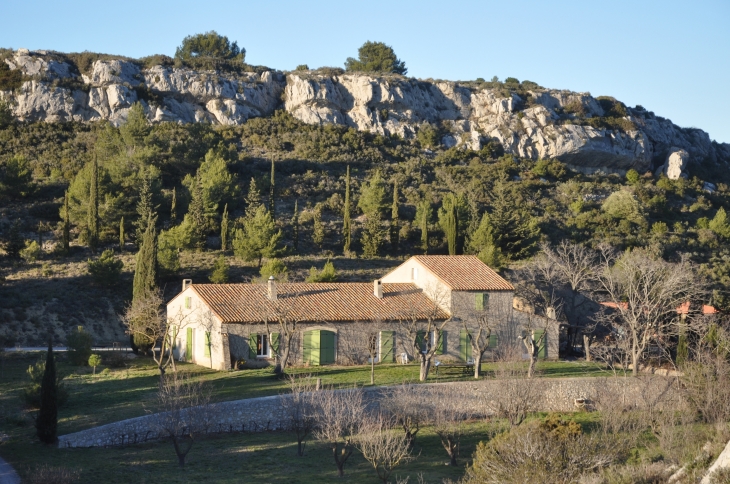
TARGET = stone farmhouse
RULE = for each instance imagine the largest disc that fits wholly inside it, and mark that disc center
(223, 326)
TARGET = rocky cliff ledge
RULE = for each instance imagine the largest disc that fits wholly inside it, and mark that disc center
(536, 123)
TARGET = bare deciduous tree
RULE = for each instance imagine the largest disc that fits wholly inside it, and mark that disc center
(517, 395)
(407, 404)
(339, 414)
(183, 411)
(644, 293)
(384, 448)
(423, 328)
(479, 339)
(299, 408)
(280, 310)
(359, 343)
(448, 422)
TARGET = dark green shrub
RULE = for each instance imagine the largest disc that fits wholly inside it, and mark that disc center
(79, 347)
(114, 359)
(376, 57)
(302, 67)
(10, 79)
(32, 392)
(106, 269)
(220, 271)
(327, 274)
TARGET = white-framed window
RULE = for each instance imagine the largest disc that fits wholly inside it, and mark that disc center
(262, 345)
(414, 273)
(188, 302)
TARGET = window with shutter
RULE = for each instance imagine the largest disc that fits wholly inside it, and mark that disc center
(493, 341)
(188, 302)
(543, 343)
(441, 347)
(275, 338)
(252, 343)
(421, 341)
(189, 345)
(481, 301)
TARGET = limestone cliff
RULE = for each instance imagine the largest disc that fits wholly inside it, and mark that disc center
(540, 124)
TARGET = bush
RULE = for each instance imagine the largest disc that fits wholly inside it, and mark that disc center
(220, 271)
(106, 269)
(31, 252)
(302, 67)
(427, 136)
(17, 177)
(94, 361)
(79, 347)
(273, 267)
(209, 50)
(632, 176)
(32, 392)
(328, 273)
(57, 475)
(114, 359)
(376, 57)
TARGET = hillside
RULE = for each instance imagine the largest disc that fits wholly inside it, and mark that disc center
(545, 165)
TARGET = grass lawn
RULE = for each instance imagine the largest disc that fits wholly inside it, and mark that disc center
(129, 392)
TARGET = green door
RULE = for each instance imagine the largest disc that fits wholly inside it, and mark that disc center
(543, 343)
(387, 346)
(318, 347)
(464, 345)
(189, 345)
(327, 347)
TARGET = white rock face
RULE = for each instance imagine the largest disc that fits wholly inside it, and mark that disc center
(675, 164)
(536, 127)
(723, 461)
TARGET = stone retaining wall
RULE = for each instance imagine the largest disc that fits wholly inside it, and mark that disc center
(267, 414)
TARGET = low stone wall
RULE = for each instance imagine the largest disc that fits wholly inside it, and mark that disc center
(474, 398)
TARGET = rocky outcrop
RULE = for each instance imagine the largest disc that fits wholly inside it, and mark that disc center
(539, 126)
(675, 165)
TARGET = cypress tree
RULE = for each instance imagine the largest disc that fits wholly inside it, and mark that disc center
(346, 224)
(121, 234)
(66, 225)
(224, 229)
(272, 193)
(318, 230)
(449, 221)
(145, 272)
(423, 218)
(47, 420)
(93, 209)
(253, 199)
(197, 213)
(173, 206)
(144, 209)
(295, 225)
(40, 235)
(394, 216)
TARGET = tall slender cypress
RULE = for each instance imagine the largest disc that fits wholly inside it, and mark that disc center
(145, 272)
(93, 209)
(295, 225)
(121, 234)
(272, 193)
(394, 219)
(173, 205)
(144, 209)
(66, 225)
(197, 213)
(224, 229)
(346, 224)
(47, 421)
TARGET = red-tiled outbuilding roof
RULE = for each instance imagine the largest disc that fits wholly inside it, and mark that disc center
(464, 273)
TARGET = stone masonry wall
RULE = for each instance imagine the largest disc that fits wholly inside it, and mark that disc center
(266, 413)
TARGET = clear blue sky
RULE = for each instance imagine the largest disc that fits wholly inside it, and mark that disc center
(671, 56)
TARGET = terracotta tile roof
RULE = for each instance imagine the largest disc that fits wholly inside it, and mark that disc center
(464, 273)
(681, 309)
(316, 302)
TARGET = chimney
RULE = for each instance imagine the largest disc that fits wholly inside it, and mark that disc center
(378, 288)
(187, 283)
(272, 288)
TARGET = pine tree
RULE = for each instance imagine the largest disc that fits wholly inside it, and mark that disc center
(145, 272)
(482, 243)
(121, 234)
(92, 218)
(272, 193)
(372, 236)
(224, 229)
(173, 206)
(197, 214)
(66, 225)
(258, 238)
(394, 219)
(373, 198)
(295, 226)
(14, 242)
(144, 209)
(346, 224)
(424, 212)
(47, 419)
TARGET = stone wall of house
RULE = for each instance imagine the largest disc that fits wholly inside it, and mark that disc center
(266, 413)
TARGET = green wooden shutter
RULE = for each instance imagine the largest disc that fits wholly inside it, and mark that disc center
(252, 344)
(327, 347)
(387, 346)
(464, 345)
(275, 338)
(420, 340)
(316, 347)
(188, 301)
(543, 344)
(189, 345)
(441, 346)
(493, 341)
(307, 347)
(207, 344)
